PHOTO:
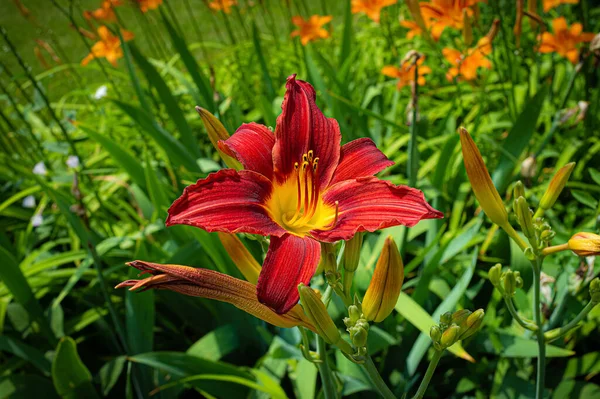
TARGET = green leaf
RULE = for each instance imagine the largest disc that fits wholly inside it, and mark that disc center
(347, 35)
(70, 376)
(576, 390)
(174, 150)
(167, 99)
(585, 198)
(267, 81)
(518, 139)
(109, 373)
(17, 386)
(216, 344)
(419, 318)
(181, 365)
(156, 189)
(508, 345)
(25, 352)
(12, 276)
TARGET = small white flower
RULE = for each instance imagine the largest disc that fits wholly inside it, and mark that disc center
(40, 169)
(37, 220)
(100, 92)
(29, 202)
(73, 161)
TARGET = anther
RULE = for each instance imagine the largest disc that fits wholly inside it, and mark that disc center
(310, 155)
(296, 166)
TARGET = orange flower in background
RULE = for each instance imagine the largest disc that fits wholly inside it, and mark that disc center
(222, 5)
(413, 28)
(564, 41)
(109, 46)
(466, 65)
(406, 72)
(442, 14)
(104, 13)
(550, 4)
(311, 29)
(146, 5)
(371, 7)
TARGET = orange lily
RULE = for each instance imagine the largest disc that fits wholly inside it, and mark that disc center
(442, 14)
(371, 7)
(222, 5)
(466, 65)
(565, 39)
(146, 5)
(311, 29)
(105, 12)
(550, 4)
(108, 47)
(413, 28)
(406, 72)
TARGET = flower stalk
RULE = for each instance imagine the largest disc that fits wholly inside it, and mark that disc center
(437, 355)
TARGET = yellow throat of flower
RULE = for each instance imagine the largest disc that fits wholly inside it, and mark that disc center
(297, 204)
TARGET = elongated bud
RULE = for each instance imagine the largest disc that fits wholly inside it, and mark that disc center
(471, 324)
(494, 274)
(240, 255)
(595, 290)
(328, 261)
(216, 132)
(557, 184)
(491, 35)
(460, 316)
(519, 23)
(510, 284)
(415, 12)
(352, 252)
(532, 9)
(317, 313)
(450, 336)
(525, 217)
(480, 179)
(519, 190)
(585, 244)
(467, 28)
(385, 286)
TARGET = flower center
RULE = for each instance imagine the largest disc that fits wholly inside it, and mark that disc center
(297, 204)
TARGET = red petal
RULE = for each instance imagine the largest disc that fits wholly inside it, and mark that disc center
(252, 145)
(360, 158)
(370, 204)
(228, 201)
(291, 260)
(302, 127)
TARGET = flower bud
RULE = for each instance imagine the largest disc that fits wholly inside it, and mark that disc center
(595, 290)
(359, 336)
(467, 28)
(557, 184)
(494, 274)
(328, 261)
(510, 284)
(547, 235)
(472, 324)
(519, 190)
(354, 313)
(460, 316)
(480, 179)
(352, 252)
(317, 313)
(450, 336)
(385, 286)
(435, 333)
(217, 132)
(585, 244)
(446, 319)
(524, 217)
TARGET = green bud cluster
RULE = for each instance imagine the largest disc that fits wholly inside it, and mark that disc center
(506, 282)
(454, 327)
(358, 327)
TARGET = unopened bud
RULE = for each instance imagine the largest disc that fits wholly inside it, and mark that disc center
(328, 261)
(494, 274)
(317, 313)
(510, 284)
(435, 333)
(595, 290)
(460, 316)
(524, 217)
(359, 336)
(354, 313)
(585, 244)
(519, 190)
(217, 134)
(472, 324)
(450, 336)
(557, 184)
(352, 252)
(446, 319)
(467, 28)
(385, 286)
(480, 179)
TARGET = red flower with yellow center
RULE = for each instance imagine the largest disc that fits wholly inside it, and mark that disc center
(299, 186)
(311, 29)
(371, 7)
(565, 39)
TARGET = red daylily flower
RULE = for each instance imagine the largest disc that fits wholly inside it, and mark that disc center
(299, 187)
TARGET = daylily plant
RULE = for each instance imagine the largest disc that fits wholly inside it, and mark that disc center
(565, 39)
(222, 5)
(109, 46)
(299, 186)
(146, 5)
(441, 14)
(406, 72)
(466, 65)
(372, 8)
(311, 29)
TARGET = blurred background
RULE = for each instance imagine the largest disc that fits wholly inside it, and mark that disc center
(99, 135)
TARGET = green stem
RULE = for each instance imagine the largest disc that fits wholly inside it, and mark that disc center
(557, 333)
(428, 374)
(329, 391)
(376, 379)
(513, 311)
(541, 361)
(515, 236)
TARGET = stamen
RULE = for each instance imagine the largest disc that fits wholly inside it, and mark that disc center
(332, 225)
(310, 155)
